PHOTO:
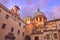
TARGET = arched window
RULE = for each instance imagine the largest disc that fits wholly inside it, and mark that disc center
(3, 26)
(27, 38)
(36, 38)
(40, 19)
(10, 36)
(7, 16)
(36, 19)
(12, 29)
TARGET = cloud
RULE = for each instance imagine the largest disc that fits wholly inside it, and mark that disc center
(29, 2)
(43, 3)
(39, 3)
(28, 10)
(53, 13)
(30, 6)
(4, 1)
(56, 11)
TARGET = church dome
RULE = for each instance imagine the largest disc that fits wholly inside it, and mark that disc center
(38, 12)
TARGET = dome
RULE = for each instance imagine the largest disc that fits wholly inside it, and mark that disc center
(38, 12)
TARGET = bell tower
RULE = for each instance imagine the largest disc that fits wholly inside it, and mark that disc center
(28, 20)
(15, 12)
(28, 28)
(39, 19)
(15, 9)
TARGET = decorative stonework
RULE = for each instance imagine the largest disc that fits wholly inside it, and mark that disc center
(10, 36)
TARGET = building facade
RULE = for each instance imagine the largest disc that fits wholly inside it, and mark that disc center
(41, 29)
(12, 26)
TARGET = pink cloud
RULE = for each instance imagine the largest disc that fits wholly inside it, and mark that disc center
(4, 1)
(41, 3)
(56, 11)
(28, 11)
(29, 2)
(44, 3)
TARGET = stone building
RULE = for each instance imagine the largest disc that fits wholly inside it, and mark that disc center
(41, 29)
(12, 26)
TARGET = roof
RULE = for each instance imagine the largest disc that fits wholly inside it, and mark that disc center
(5, 8)
(54, 20)
(39, 12)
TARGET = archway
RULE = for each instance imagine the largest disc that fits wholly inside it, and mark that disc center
(10, 36)
(27, 37)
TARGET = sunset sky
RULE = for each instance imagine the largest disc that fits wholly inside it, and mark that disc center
(51, 8)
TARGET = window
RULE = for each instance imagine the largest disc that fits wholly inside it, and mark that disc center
(10, 36)
(59, 24)
(19, 24)
(27, 37)
(48, 36)
(23, 33)
(0, 10)
(3, 26)
(40, 19)
(44, 37)
(36, 38)
(24, 26)
(7, 16)
(14, 16)
(36, 19)
(12, 29)
(18, 31)
(55, 36)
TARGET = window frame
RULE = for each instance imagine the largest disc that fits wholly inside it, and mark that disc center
(55, 35)
(47, 36)
(7, 16)
(18, 31)
(36, 38)
(3, 26)
(0, 10)
(12, 29)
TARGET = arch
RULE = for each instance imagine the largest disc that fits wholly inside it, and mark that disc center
(27, 37)
(10, 36)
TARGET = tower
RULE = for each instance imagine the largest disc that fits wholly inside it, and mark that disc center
(39, 19)
(28, 20)
(15, 9)
(15, 12)
(28, 28)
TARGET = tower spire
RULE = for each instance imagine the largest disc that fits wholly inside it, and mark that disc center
(38, 12)
(38, 9)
